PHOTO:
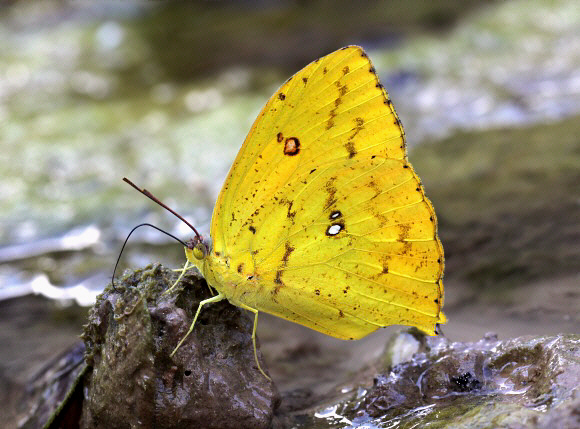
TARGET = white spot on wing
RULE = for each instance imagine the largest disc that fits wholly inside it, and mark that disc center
(333, 229)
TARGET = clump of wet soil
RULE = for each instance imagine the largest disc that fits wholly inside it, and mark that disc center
(212, 381)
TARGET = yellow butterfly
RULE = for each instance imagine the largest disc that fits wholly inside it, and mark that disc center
(322, 220)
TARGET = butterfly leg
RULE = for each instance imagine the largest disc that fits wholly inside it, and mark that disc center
(183, 271)
(253, 310)
(216, 298)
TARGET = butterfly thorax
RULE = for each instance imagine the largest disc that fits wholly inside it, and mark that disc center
(225, 273)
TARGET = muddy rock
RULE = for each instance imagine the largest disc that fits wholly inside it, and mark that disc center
(212, 381)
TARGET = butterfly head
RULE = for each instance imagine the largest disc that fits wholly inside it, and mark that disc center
(199, 247)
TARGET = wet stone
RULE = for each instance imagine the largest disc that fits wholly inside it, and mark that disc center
(527, 382)
(53, 397)
(212, 381)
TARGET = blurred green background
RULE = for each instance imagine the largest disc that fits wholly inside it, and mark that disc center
(165, 92)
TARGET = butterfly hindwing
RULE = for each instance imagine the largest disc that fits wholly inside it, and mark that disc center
(371, 254)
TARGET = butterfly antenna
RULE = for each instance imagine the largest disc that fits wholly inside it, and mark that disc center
(155, 199)
(127, 239)
(158, 201)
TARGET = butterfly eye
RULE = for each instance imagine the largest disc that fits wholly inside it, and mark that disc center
(198, 251)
